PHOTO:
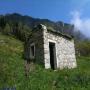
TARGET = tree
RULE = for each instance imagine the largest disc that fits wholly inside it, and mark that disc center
(2, 22)
(83, 48)
(26, 31)
(7, 29)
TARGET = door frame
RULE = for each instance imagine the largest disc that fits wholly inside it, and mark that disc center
(55, 61)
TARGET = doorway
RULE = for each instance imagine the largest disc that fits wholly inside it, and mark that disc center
(52, 55)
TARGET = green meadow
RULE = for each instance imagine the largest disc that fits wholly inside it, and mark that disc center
(12, 71)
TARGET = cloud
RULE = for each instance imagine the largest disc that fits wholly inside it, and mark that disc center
(80, 23)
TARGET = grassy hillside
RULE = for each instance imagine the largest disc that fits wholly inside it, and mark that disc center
(12, 71)
(11, 62)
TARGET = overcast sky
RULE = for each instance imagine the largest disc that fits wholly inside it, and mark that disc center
(76, 12)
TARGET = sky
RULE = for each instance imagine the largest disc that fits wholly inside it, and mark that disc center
(76, 12)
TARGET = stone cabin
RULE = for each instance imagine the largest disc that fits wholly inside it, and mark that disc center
(50, 48)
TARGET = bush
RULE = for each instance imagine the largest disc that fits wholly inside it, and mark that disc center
(83, 48)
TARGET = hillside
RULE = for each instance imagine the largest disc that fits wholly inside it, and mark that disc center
(12, 71)
(11, 62)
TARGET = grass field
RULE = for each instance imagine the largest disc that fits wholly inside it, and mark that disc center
(12, 71)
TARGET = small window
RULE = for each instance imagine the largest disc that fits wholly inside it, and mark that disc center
(32, 51)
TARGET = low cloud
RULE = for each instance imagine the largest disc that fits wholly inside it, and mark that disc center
(80, 23)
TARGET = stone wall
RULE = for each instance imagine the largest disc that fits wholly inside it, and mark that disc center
(65, 51)
(37, 39)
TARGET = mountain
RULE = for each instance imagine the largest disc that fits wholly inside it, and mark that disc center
(31, 22)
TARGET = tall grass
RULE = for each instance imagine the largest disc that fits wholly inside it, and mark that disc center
(12, 71)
